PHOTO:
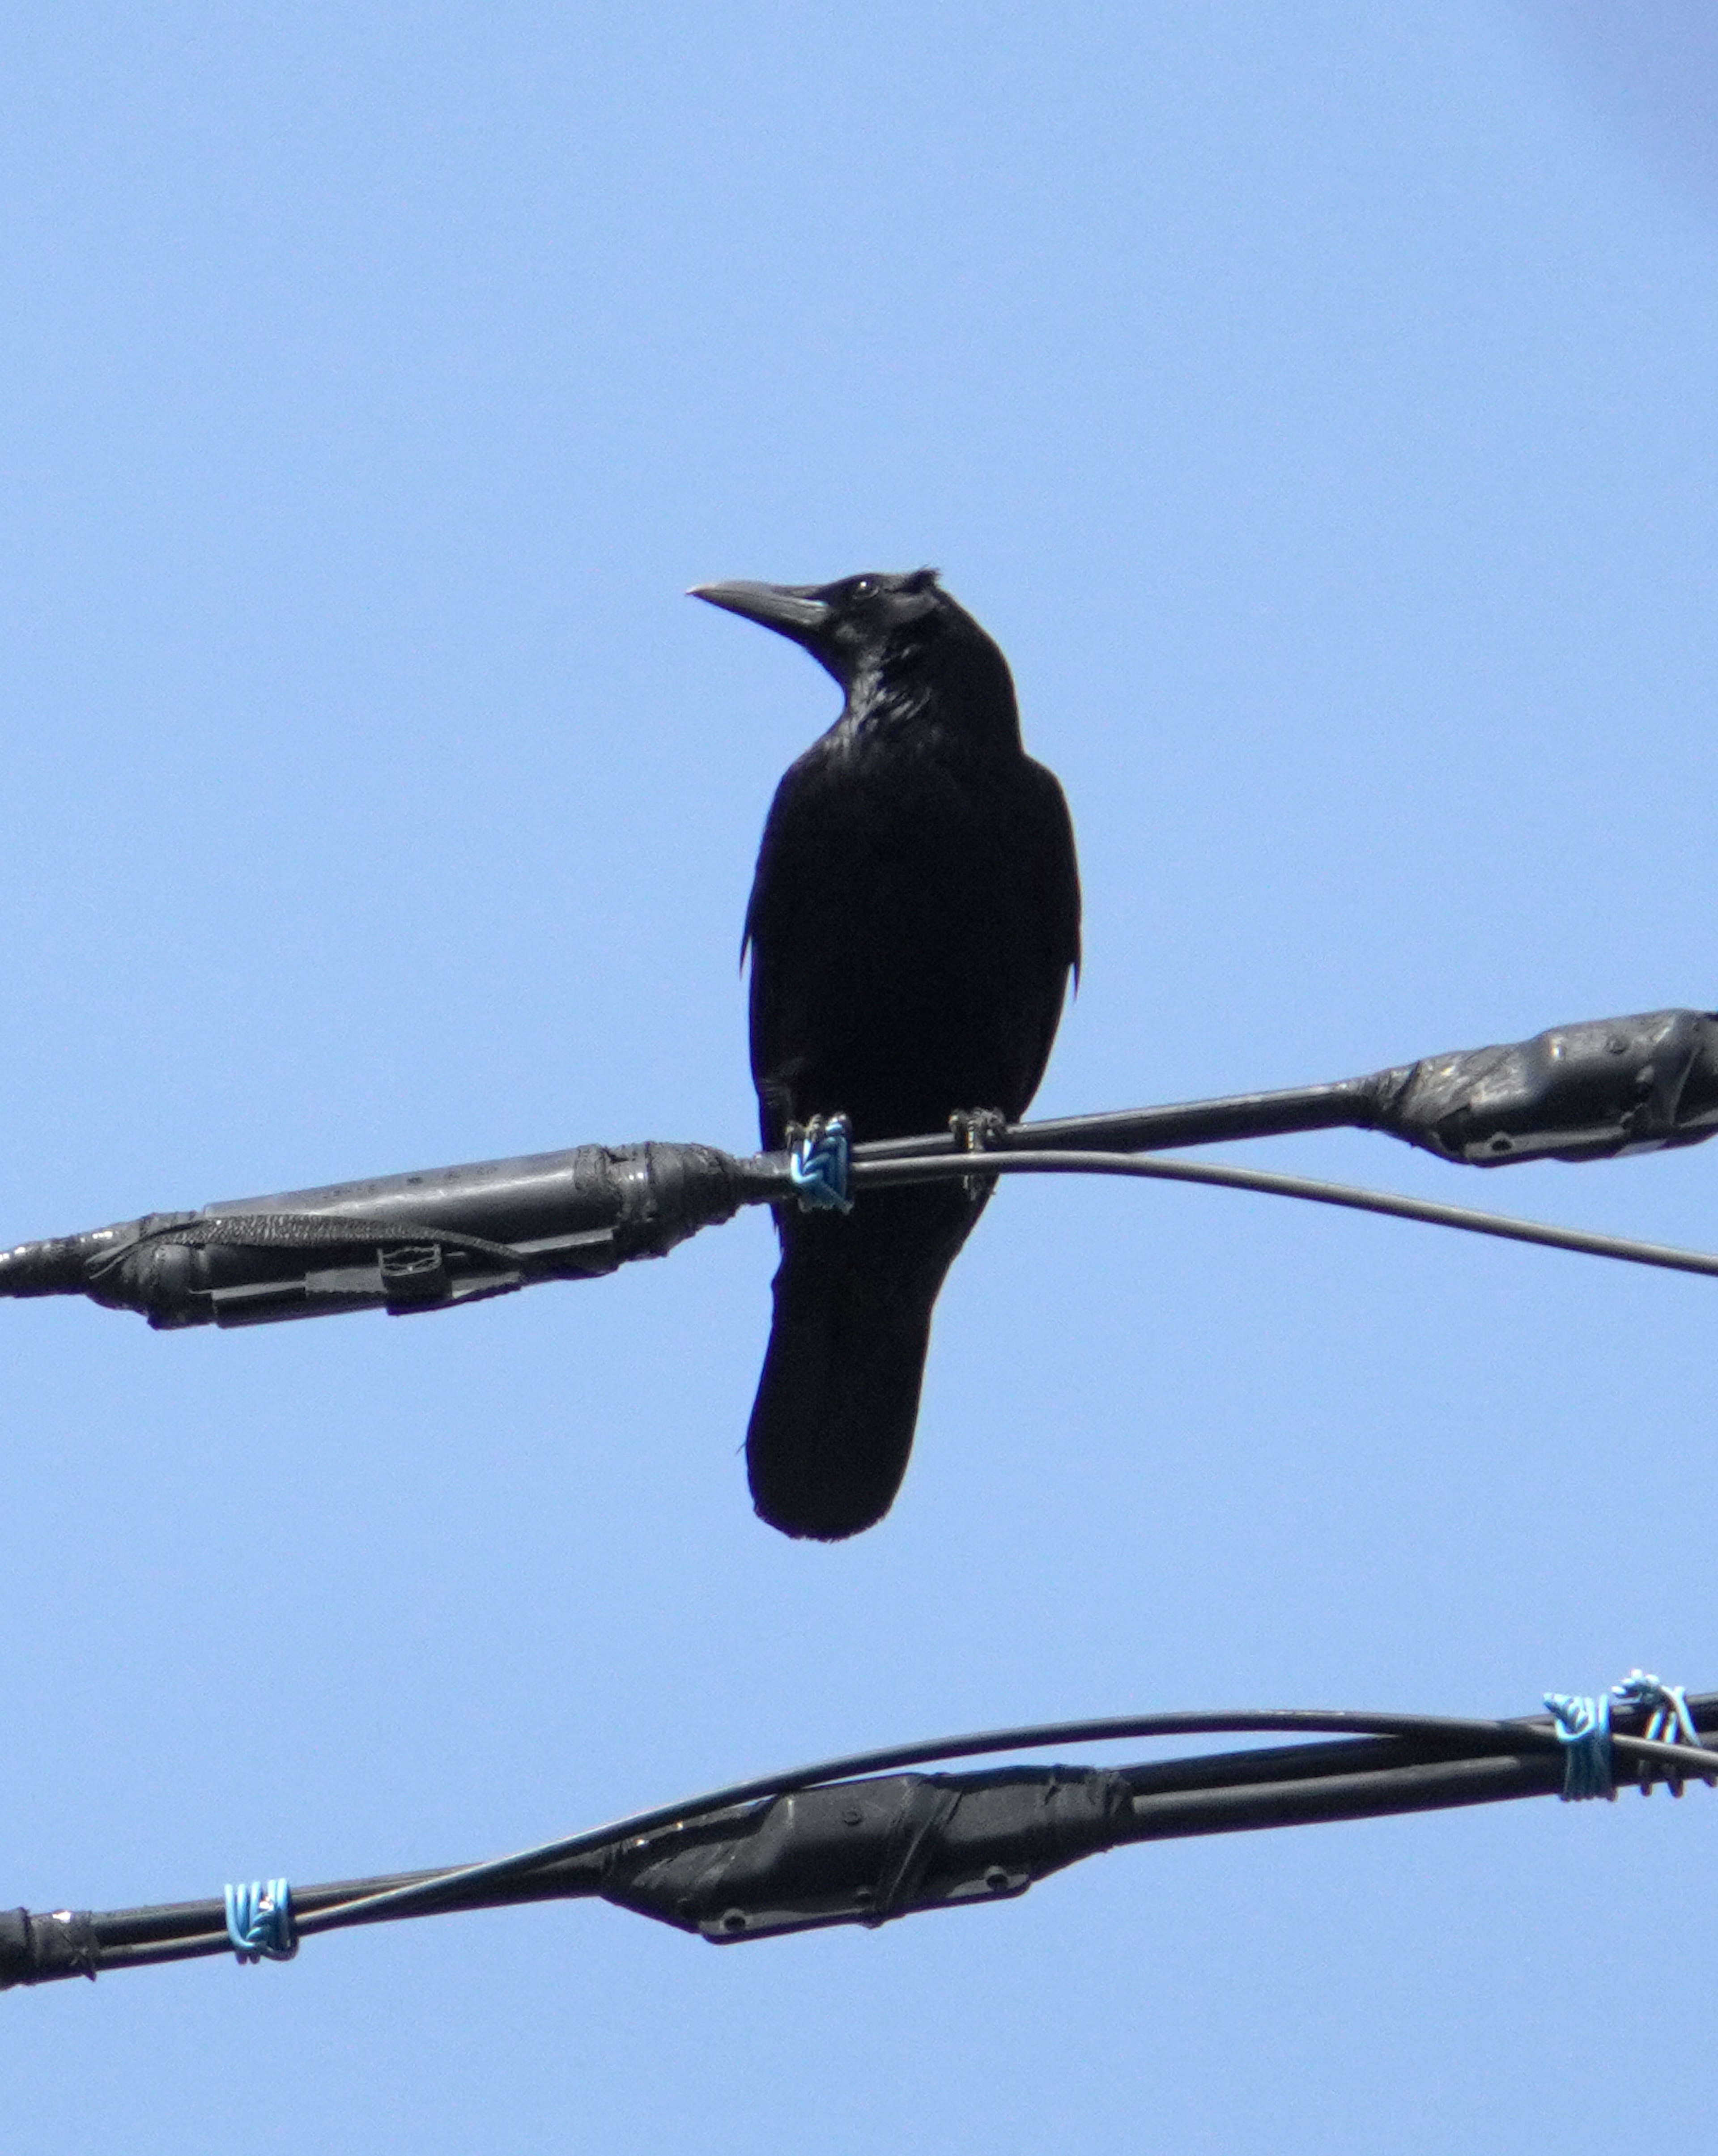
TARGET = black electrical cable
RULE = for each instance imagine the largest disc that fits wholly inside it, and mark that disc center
(436, 1238)
(893, 1756)
(1523, 1737)
(1527, 1737)
(1221, 1175)
(1388, 1763)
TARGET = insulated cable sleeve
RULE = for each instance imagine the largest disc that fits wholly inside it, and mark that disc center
(301, 1231)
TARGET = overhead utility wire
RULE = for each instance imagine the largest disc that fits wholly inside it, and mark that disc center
(859, 1839)
(440, 1237)
(1219, 1175)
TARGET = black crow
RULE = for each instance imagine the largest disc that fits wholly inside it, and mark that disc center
(913, 923)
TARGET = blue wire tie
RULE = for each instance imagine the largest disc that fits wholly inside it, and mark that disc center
(260, 1920)
(1584, 1731)
(819, 1166)
(1669, 1721)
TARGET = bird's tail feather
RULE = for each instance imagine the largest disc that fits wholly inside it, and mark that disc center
(832, 1427)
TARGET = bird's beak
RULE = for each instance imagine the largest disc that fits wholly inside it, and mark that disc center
(789, 610)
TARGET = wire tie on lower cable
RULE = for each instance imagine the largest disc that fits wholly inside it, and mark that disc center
(260, 1920)
(1583, 1727)
(1669, 1723)
(819, 1166)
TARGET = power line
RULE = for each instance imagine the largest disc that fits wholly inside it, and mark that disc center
(1220, 1175)
(863, 1839)
(440, 1237)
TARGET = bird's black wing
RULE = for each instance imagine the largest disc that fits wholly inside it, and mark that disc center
(1052, 918)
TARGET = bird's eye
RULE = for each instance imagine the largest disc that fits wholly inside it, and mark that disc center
(864, 586)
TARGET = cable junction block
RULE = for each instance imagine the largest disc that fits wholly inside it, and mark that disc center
(431, 1240)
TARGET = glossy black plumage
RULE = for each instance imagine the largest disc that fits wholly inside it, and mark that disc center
(913, 922)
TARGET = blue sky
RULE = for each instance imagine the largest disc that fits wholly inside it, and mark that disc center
(1317, 404)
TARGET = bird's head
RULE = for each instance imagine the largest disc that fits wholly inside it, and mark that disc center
(865, 624)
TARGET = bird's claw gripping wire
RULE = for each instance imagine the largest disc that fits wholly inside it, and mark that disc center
(977, 1130)
(820, 1164)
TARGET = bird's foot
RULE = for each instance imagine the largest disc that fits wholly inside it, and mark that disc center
(977, 1130)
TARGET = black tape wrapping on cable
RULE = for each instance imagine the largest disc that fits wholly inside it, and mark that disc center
(38, 1949)
(303, 1231)
(868, 1851)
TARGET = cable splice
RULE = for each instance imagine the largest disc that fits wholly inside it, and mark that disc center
(430, 1240)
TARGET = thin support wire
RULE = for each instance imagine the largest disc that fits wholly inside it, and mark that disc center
(1222, 1175)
